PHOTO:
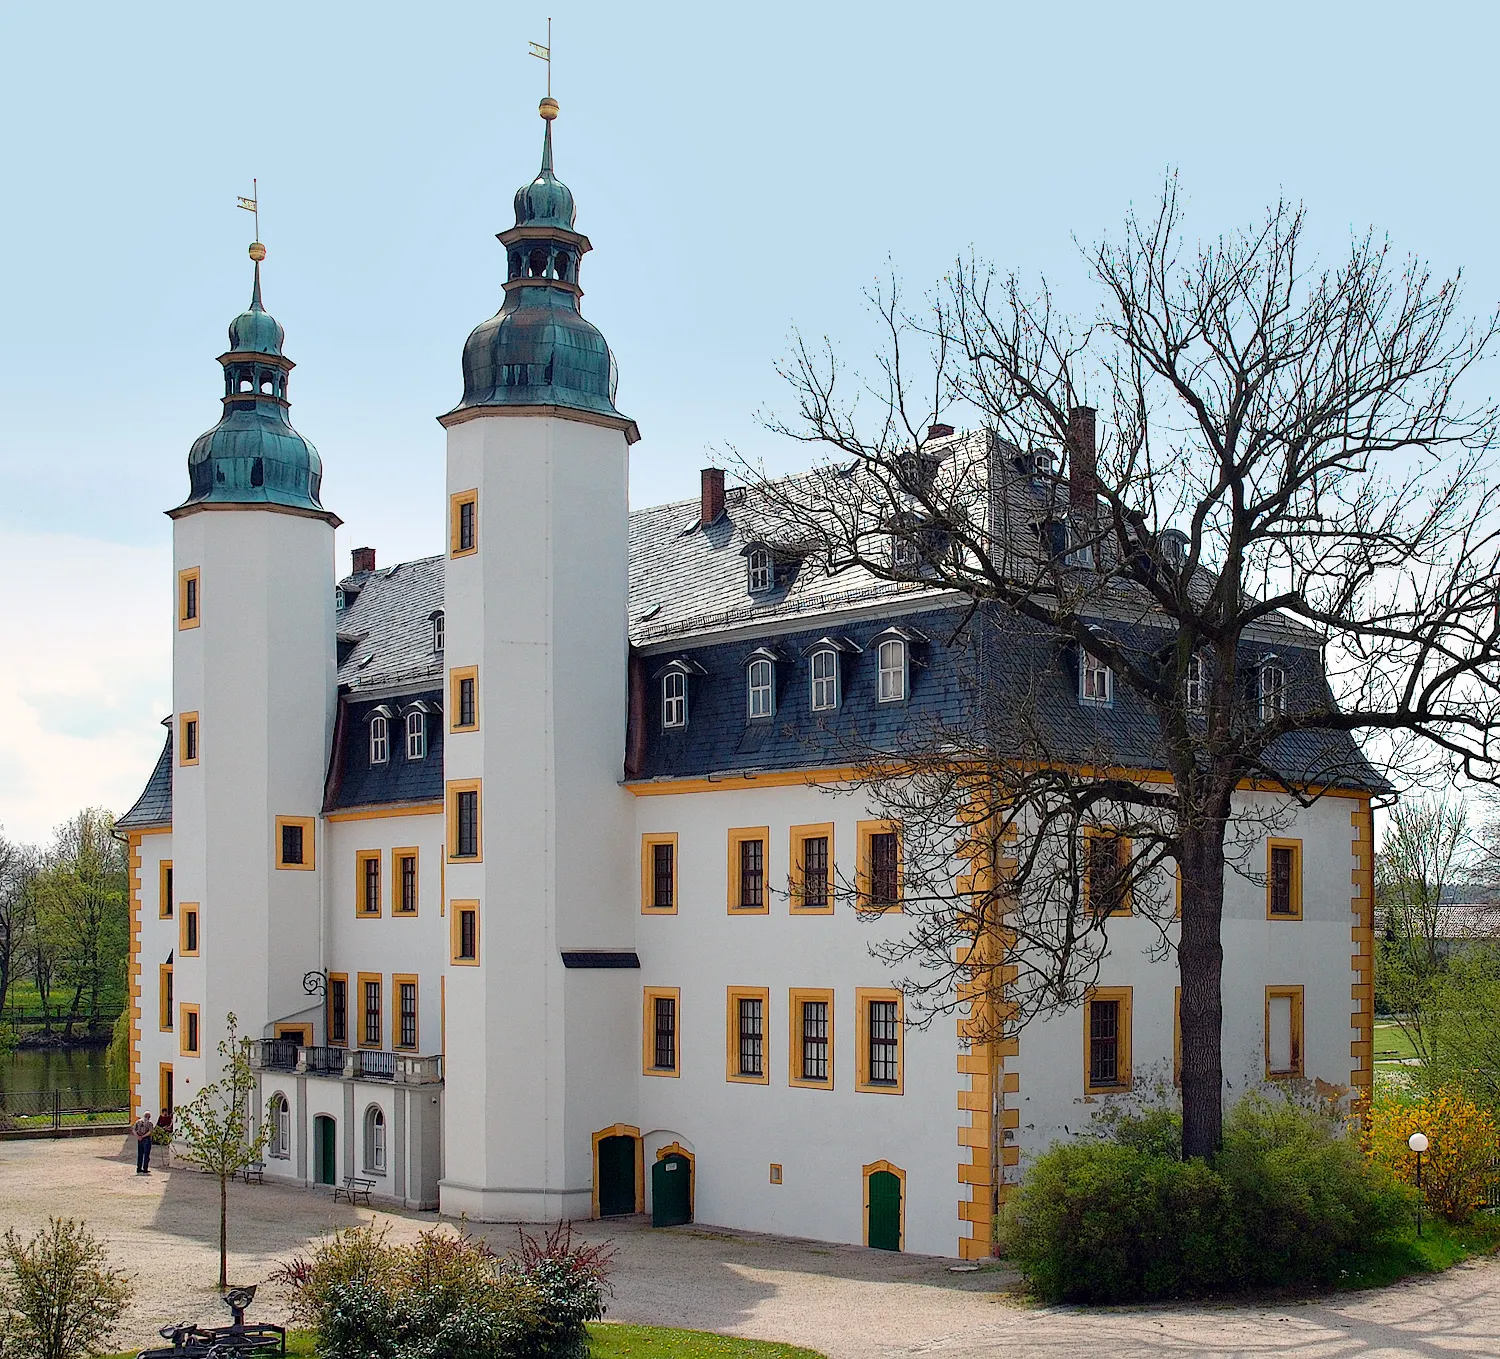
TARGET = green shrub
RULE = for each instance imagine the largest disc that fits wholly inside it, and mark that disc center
(59, 1298)
(1288, 1201)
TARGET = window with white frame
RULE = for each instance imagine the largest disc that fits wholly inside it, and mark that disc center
(439, 632)
(1196, 683)
(825, 680)
(674, 699)
(380, 740)
(892, 671)
(762, 695)
(759, 570)
(280, 1119)
(1272, 689)
(416, 735)
(1096, 682)
(904, 552)
(375, 1139)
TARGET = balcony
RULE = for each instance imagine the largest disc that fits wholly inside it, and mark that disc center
(273, 1054)
(370, 1066)
(322, 1061)
(359, 1064)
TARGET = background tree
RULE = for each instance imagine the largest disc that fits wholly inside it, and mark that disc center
(1286, 536)
(218, 1131)
(17, 869)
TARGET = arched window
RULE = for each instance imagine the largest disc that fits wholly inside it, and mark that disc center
(537, 264)
(280, 1118)
(246, 385)
(825, 680)
(892, 671)
(515, 264)
(267, 386)
(380, 740)
(1195, 688)
(560, 263)
(759, 570)
(1272, 688)
(762, 691)
(439, 631)
(375, 1139)
(416, 735)
(674, 699)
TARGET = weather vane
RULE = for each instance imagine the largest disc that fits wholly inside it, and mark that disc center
(545, 54)
(252, 204)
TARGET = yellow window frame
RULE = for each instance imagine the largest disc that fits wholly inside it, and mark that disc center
(800, 835)
(309, 826)
(185, 1030)
(164, 998)
(397, 981)
(732, 997)
(1123, 994)
(184, 619)
(184, 721)
(328, 1011)
(455, 518)
(1296, 995)
(1127, 851)
(165, 885)
(739, 835)
(189, 908)
(863, 997)
(398, 876)
(649, 996)
(455, 932)
(363, 1009)
(456, 676)
(796, 998)
(649, 842)
(361, 858)
(455, 787)
(867, 831)
(1295, 846)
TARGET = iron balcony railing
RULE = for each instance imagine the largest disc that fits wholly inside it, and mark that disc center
(322, 1061)
(359, 1064)
(371, 1066)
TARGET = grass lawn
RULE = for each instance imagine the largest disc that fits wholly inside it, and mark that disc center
(630, 1342)
(1391, 1044)
(1439, 1247)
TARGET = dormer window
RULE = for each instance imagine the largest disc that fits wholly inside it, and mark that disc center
(825, 680)
(1096, 682)
(416, 735)
(759, 571)
(904, 554)
(1272, 687)
(674, 699)
(439, 631)
(1195, 686)
(892, 670)
(380, 740)
(762, 688)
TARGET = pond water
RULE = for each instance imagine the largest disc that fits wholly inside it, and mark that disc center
(80, 1073)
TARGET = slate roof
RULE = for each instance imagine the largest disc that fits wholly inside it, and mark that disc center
(154, 806)
(354, 782)
(385, 632)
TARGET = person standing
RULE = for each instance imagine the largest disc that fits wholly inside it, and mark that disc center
(143, 1127)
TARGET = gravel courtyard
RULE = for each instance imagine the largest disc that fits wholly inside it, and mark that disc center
(849, 1303)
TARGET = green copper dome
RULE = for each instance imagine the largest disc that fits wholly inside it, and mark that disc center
(538, 350)
(253, 456)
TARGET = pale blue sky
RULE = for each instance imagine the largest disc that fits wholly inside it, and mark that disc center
(739, 170)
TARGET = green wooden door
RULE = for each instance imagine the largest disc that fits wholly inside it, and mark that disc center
(885, 1211)
(671, 1191)
(616, 1171)
(325, 1149)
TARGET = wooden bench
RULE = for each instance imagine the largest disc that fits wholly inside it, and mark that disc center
(352, 1187)
(255, 1172)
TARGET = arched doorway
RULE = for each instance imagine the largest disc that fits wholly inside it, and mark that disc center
(325, 1150)
(885, 1206)
(672, 1187)
(619, 1187)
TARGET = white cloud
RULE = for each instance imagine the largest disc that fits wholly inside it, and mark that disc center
(85, 675)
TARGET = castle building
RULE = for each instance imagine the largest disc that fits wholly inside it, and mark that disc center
(519, 863)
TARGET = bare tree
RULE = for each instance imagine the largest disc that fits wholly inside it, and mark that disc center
(1285, 537)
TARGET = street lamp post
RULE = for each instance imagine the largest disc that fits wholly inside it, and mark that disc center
(1418, 1143)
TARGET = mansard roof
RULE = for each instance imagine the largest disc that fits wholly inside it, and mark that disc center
(353, 781)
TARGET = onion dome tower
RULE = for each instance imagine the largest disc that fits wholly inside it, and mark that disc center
(538, 350)
(253, 456)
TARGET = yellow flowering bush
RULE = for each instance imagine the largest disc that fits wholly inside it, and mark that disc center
(1463, 1144)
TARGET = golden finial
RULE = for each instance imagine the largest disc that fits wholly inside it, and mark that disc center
(257, 251)
(548, 108)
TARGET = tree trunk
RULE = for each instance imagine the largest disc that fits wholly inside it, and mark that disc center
(223, 1233)
(73, 1012)
(1200, 957)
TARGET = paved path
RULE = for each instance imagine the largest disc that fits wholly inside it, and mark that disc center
(849, 1303)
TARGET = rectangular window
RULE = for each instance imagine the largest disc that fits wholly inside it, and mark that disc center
(812, 869)
(1106, 1019)
(892, 685)
(187, 738)
(1271, 686)
(1284, 1031)
(463, 699)
(825, 680)
(1096, 682)
(660, 1054)
(1284, 880)
(879, 868)
(164, 890)
(762, 690)
(338, 1009)
(406, 1011)
(879, 1041)
(369, 1009)
(465, 839)
(187, 1031)
(416, 736)
(164, 997)
(367, 875)
(810, 1029)
(164, 1087)
(296, 845)
(1106, 872)
(659, 873)
(747, 869)
(463, 523)
(745, 1034)
(187, 930)
(1196, 684)
(674, 699)
(404, 881)
(464, 938)
(187, 598)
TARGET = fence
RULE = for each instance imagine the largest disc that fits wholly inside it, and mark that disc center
(1492, 1187)
(43, 1110)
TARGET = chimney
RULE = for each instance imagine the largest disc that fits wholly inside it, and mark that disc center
(1083, 468)
(712, 504)
(939, 431)
(364, 560)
